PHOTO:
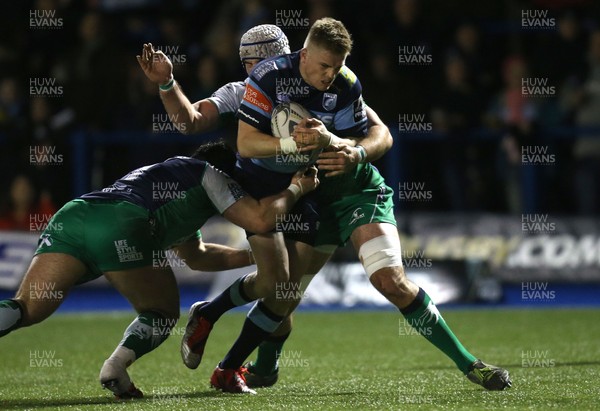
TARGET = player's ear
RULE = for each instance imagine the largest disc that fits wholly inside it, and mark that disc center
(303, 53)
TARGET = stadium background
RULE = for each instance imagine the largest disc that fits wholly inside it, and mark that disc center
(494, 108)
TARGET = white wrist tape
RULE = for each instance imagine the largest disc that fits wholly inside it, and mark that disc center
(296, 190)
(288, 145)
(380, 252)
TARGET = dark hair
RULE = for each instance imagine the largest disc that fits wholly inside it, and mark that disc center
(218, 154)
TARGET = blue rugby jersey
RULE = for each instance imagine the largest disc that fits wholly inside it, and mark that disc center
(277, 80)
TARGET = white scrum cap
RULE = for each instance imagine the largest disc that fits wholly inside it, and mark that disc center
(264, 41)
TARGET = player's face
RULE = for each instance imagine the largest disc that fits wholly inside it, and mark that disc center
(250, 63)
(319, 66)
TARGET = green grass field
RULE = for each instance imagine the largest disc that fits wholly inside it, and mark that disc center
(333, 361)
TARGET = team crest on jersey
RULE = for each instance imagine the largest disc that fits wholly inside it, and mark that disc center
(356, 215)
(45, 240)
(329, 101)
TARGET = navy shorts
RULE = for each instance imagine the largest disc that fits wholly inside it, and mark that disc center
(300, 224)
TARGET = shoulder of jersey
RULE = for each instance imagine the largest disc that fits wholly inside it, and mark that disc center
(271, 66)
(348, 78)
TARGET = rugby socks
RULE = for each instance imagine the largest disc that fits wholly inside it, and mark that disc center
(143, 335)
(423, 316)
(269, 352)
(11, 314)
(260, 322)
(234, 296)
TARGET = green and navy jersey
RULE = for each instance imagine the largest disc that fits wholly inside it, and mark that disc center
(278, 80)
(180, 193)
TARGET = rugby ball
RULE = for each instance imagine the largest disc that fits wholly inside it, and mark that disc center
(285, 117)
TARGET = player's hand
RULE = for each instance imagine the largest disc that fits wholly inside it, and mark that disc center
(311, 134)
(341, 159)
(156, 65)
(306, 179)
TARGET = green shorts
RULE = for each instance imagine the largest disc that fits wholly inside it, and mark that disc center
(104, 235)
(351, 200)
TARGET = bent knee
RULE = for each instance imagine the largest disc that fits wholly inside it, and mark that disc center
(392, 281)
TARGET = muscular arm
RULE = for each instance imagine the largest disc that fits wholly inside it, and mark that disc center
(252, 143)
(187, 117)
(202, 256)
(378, 140)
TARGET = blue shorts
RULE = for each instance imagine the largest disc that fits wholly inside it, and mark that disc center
(300, 224)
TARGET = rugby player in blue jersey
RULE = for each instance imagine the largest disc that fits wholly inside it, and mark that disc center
(121, 232)
(355, 206)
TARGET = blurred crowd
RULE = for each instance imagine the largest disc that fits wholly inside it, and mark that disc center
(80, 74)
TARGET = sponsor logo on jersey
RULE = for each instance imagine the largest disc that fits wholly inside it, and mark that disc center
(127, 253)
(263, 69)
(329, 101)
(257, 98)
(359, 110)
(248, 116)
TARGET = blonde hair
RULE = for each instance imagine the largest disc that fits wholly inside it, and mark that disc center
(331, 35)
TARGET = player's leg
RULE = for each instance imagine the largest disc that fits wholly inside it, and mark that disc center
(378, 246)
(44, 287)
(264, 318)
(272, 265)
(154, 295)
(264, 372)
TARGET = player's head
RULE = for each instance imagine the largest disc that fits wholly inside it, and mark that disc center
(326, 47)
(261, 42)
(218, 154)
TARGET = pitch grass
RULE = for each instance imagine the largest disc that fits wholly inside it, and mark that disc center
(334, 361)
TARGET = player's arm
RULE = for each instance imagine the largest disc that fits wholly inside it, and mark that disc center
(343, 158)
(259, 216)
(253, 143)
(202, 256)
(187, 117)
(378, 140)
(254, 127)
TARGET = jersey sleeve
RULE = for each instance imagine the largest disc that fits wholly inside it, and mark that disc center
(257, 104)
(227, 98)
(221, 189)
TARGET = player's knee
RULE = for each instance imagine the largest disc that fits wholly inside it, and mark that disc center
(391, 282)
(380, 253)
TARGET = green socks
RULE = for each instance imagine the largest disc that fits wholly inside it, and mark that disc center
(143, 335)
(423, 316)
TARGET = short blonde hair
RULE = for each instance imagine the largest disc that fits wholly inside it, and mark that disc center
(331, 35)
